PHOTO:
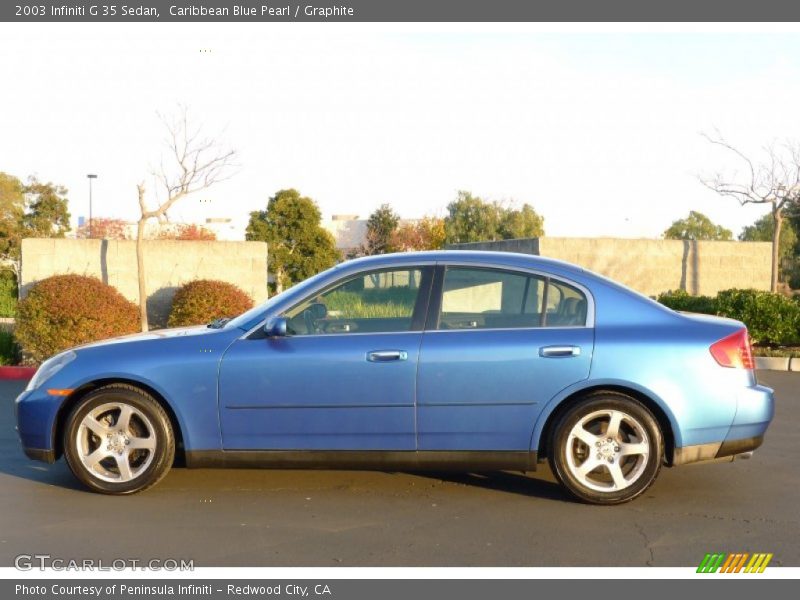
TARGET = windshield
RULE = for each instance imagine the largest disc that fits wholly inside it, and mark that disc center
(250, 319)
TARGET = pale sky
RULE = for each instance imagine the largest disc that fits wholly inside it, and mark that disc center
(597, 130)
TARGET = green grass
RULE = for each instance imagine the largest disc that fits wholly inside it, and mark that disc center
(372, 304)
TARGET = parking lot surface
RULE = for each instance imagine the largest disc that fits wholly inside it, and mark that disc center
(331, 518)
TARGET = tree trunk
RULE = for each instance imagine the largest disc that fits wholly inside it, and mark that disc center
(141, 274)
(278, 281)
(777, 219)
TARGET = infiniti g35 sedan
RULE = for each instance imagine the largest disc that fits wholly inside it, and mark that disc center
(469, 361)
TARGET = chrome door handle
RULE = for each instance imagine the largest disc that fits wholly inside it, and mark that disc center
(387, 355)
(559, 351)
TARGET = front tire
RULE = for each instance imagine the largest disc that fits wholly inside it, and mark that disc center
(607, 449)
(118, 440)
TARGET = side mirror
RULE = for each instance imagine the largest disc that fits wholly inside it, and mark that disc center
(275, 327)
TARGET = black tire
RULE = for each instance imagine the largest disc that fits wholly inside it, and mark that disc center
(638, 471)
(148, 417)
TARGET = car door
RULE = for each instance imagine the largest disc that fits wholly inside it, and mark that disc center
(344, 376)
(499, 344)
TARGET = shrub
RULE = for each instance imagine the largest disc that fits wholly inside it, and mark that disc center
(681, 300)
(8, 294)
(770, 318)
(68, 310)
(9, 351)
(201, 301)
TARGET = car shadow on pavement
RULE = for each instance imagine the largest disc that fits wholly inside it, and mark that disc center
(15, 464)
(504, 481)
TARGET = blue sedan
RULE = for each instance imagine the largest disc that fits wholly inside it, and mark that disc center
(435, 360)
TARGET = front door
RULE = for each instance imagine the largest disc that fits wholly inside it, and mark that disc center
(500, 344)
(344, 378)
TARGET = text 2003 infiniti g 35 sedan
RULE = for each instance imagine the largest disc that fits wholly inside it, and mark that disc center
(437, 360)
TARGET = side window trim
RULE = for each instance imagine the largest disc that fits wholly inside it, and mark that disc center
(435, 303)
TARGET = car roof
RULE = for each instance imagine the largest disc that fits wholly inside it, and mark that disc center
(510, 259)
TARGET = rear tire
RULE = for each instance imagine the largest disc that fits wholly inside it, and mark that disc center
(118, 440)
(607, 449)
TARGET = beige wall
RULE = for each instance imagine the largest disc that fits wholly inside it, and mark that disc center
(655, 266)
(168, 265)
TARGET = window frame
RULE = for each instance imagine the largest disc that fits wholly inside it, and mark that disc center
(433, 321)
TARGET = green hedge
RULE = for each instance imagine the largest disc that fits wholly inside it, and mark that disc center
(681, 300)
(8, 294)
(201, 301)
(63, 311)
(771, 319)
(9, 351)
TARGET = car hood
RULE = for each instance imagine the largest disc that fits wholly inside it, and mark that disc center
(153, 335)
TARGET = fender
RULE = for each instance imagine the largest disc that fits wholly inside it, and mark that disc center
(133, 379)
(586, 384)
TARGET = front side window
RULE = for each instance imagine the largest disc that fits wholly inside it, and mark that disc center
(494, 299)
(375, 302)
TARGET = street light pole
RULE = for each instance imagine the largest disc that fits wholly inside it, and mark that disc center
(90, 176)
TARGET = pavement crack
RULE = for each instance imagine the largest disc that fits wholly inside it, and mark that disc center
(647, 544)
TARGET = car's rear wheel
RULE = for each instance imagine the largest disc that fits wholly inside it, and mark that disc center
(119, 440)
(607, 449)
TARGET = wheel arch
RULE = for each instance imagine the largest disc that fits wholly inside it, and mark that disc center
(80, 392)
(552, 413)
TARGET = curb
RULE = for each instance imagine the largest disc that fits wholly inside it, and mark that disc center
(16, 373)
(778, 363)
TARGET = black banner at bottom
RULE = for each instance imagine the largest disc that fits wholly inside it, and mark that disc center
(385, 589)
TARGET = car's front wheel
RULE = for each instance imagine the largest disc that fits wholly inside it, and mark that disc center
(607, 449)
(119, 440)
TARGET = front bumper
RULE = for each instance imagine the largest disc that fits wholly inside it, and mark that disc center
(48, 456)
(36, 413)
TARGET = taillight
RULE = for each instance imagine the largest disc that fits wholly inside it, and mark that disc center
(734, 351)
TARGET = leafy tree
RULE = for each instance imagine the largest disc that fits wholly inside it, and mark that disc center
(188, 232)
(103, 229)
(697, 226)
(381, 227)
(12, 209)
(33, 210)
(47, 214)
(523, 223)
(472, 219)
(425, 234)
(298, 246)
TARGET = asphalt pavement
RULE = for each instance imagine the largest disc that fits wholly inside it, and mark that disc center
(331, 518)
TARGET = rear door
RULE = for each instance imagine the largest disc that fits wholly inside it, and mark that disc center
(498, 345)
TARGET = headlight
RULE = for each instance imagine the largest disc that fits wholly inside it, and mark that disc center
(49, 368)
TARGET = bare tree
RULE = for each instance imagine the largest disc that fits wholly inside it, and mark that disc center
(197, 163)
(774, 181)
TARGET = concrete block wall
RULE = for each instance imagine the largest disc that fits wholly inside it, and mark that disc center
(654, 266)
(168, 265)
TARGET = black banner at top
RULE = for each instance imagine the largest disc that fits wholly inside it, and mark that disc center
(401, 11)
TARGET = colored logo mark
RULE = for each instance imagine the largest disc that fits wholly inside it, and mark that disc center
(734, 563)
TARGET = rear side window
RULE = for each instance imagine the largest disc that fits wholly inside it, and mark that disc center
(495, 299)
(566, 306)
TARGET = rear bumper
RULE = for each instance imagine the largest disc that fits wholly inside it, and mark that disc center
(729, 449)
